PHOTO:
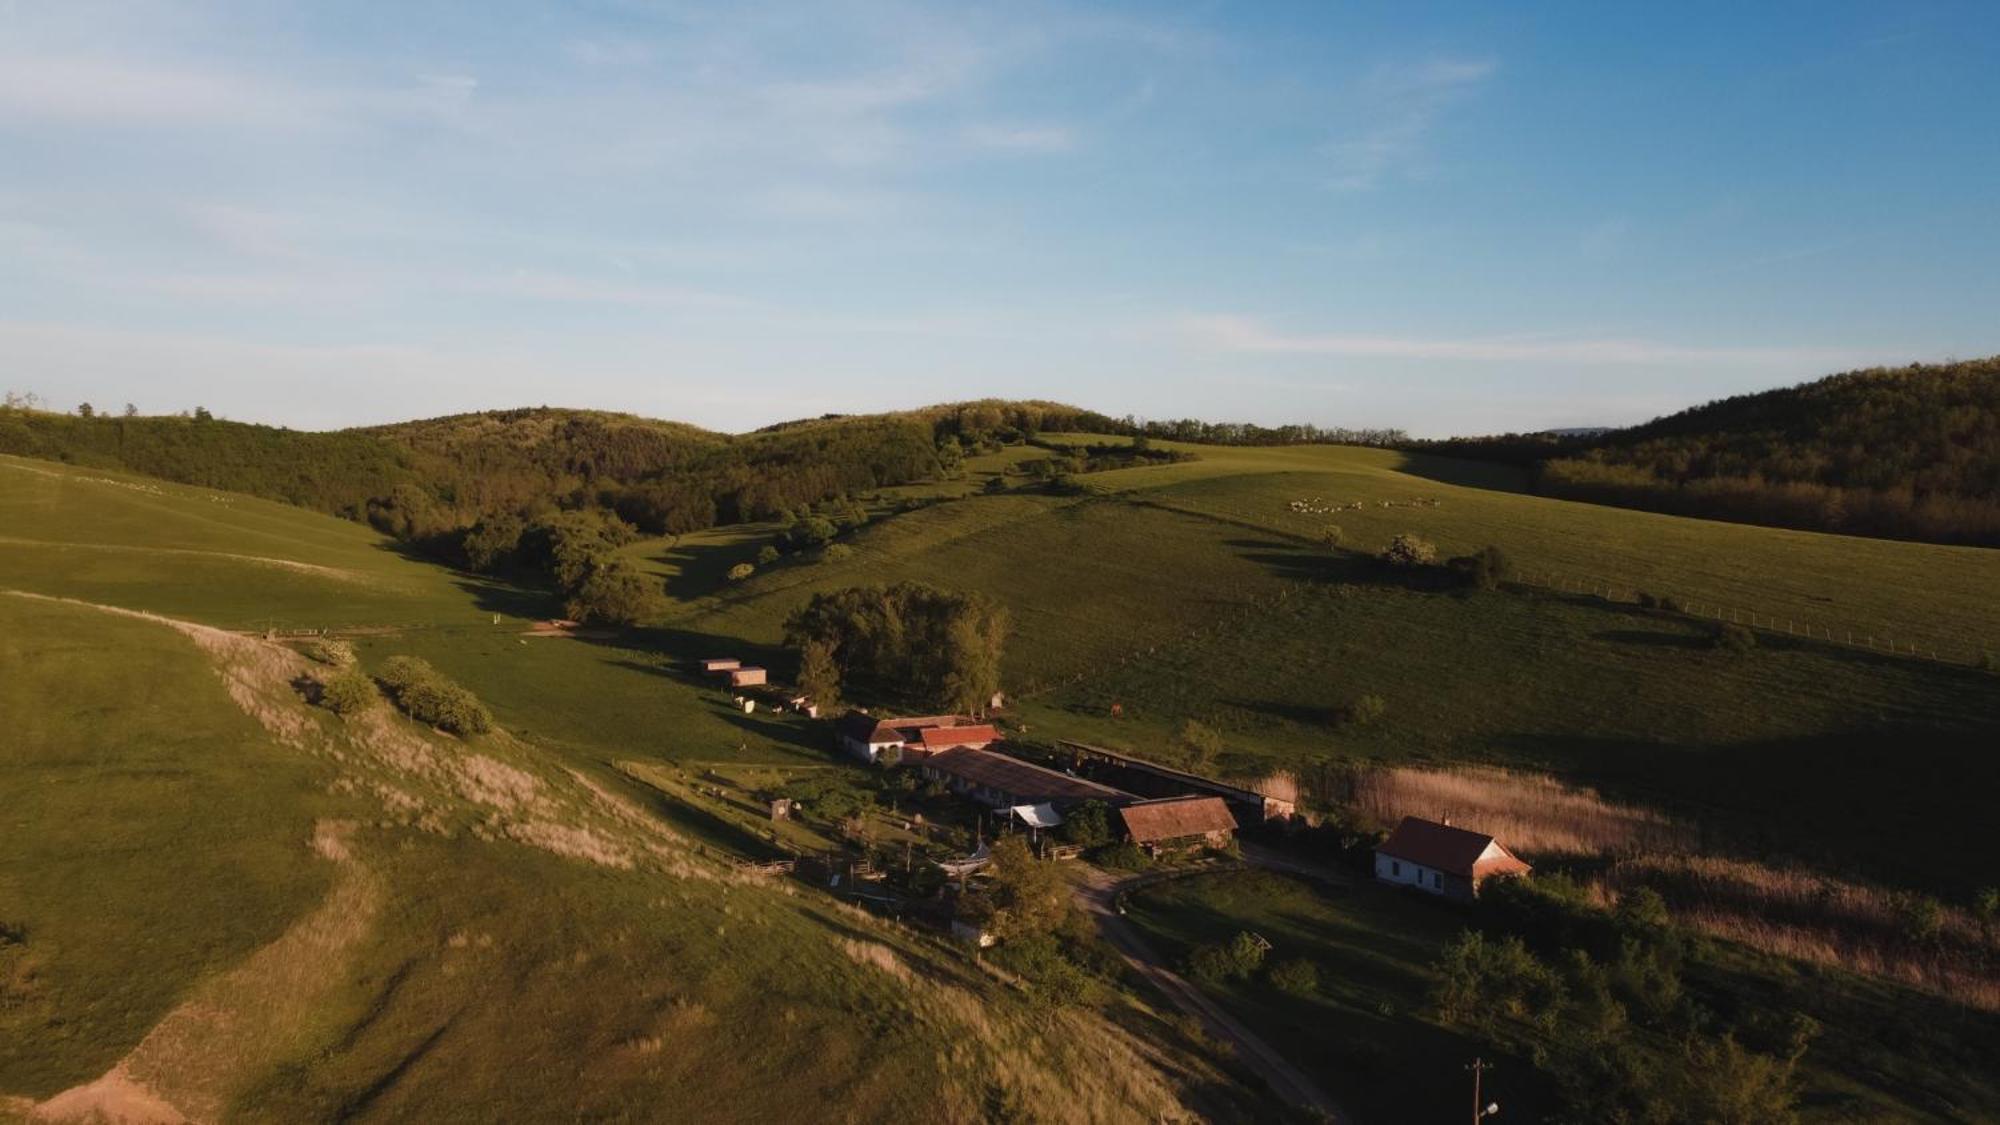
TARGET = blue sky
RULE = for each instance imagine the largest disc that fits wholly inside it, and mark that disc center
(1451, 219)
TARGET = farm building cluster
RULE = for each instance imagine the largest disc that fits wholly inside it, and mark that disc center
(1156, 807)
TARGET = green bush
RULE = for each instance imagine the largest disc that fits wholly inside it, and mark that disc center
(1731, 637)
(766, 555)
(426, 696)
(346, 692)
(326, 650)
(1365, 709)
(1485, 569)
(1407, 550)
(1295, 976)
(837, 551)
(1236, 959)
(1122, 856)
(615, 593)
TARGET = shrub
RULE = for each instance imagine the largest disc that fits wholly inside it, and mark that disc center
(1485, 569)
(1988, 662)
(994, 486)
(1731, 637)
(346, 692)
(837, 551)
(766, 555)
(1407, 550)
(741, 571)
(1365, 709)
(1295, 977)
(1236, 959)
(1122, 856)
(1330, 538)
(1088, 825)
(326, 650)
(426, 696)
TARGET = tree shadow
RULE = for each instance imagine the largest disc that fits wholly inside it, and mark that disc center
(1652, 639)
(1903, 803)
(701, 567)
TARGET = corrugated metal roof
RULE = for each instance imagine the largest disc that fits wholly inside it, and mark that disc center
(1021, 780)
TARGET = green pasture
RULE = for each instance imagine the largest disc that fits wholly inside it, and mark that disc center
(150, 835)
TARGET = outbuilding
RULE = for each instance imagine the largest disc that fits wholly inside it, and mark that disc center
(1441, 859)
(716, 665)
(745, 677)
(1173, 823)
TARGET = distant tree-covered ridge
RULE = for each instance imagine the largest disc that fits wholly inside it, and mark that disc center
(1905, 453)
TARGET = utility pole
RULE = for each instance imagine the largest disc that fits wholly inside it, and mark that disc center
(1481, 1110)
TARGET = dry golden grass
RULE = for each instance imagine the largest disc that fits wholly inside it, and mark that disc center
(1822, 920)
(1532, 814)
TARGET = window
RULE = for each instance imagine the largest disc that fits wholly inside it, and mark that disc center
(1395, 868)
(1437, 880)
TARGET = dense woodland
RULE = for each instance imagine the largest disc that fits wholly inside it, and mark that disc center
(1905, 453)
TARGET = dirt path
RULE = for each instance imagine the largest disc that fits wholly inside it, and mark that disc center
(241, 1023)
(1098, 894)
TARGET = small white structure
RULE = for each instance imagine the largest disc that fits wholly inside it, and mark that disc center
(1037, 816)
(1442, 860)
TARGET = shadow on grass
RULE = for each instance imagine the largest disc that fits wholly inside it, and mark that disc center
(702, 567)
(1903, 802)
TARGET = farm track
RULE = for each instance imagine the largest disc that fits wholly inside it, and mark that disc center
(1098, 895)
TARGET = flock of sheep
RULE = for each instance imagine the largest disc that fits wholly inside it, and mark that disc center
(1319, 507)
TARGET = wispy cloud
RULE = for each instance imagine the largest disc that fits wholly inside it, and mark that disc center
(1021, 138)
(1395, 108)
(1244, 334)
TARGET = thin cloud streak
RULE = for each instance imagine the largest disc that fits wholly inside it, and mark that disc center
(1243, 334)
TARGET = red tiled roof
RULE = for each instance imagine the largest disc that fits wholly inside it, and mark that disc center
(1455, 851)
(943, 738)
(1149, 822)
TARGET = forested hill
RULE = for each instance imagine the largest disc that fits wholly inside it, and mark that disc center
(1905, 453)
(430, 480)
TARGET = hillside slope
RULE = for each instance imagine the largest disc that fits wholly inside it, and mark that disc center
(221, 902)
(1909, 453)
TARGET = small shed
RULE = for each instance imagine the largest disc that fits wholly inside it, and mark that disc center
(716, 665)
(1178, 822)
(932, 740)
(1036, 816)
(1440, 859)
(745, 677)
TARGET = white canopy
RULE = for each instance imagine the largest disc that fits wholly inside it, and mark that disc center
(1037, 816)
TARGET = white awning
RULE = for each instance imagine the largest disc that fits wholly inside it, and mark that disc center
(1037, 816)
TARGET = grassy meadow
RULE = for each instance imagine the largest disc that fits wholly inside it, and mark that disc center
(567, 864)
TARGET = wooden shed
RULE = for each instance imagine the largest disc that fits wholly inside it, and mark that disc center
(1178, 822)
(745, 677)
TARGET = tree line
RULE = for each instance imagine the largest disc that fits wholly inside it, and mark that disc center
(1904, 453)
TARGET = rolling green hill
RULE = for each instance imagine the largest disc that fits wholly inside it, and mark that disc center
(409, 894)
(292, 916)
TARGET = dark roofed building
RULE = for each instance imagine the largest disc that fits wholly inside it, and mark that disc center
(998, 781)
(1176, 822)
(1442, 859)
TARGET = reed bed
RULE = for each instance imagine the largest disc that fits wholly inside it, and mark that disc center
(1531, 813)
(1826, 921)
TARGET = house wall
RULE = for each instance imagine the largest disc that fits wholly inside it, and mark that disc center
(1403, 873)
(870, 752)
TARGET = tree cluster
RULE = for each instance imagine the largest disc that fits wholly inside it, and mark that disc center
(424, 694)
(1600, 1000)
(908, 640)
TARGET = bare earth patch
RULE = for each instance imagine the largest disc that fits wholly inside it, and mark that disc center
(237, 1025)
